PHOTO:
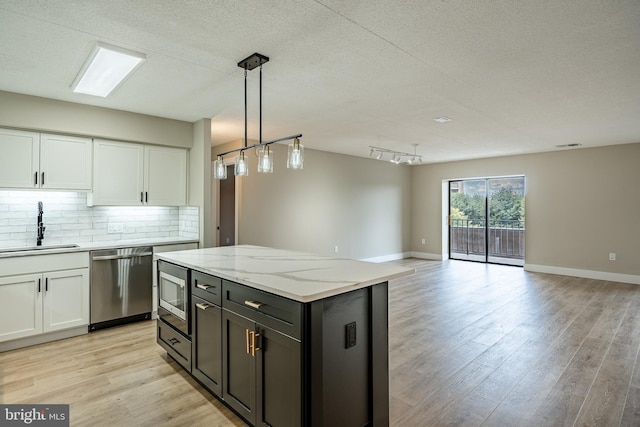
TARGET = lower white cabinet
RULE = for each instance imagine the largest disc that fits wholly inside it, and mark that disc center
(33, 304)
(43, 294)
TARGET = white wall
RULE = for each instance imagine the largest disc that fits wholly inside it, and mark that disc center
(360, 205)
(580, 205)
(49, 115)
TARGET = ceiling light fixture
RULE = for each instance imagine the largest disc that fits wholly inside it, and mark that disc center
(295, 158)
(106, 67)
(398, 157)
(442, 119)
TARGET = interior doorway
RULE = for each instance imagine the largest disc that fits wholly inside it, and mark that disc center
(486, 220)
(227, 209)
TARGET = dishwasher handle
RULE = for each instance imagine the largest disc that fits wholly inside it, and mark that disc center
(127, 256)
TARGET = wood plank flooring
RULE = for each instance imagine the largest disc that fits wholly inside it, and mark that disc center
(470, 345)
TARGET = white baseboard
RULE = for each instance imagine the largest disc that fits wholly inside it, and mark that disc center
(39, 339)
(426, 255)
(391, 257)
(587, 274)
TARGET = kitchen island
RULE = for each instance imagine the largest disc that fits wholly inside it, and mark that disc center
(283, 338)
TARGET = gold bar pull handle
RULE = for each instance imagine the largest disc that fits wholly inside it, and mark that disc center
(254, 344)
(203, 287)
(248, 342)
(202, 305)
(254, 304)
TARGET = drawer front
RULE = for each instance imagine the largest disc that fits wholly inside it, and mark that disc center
(278, 313)
(207, 287)
(176, 344)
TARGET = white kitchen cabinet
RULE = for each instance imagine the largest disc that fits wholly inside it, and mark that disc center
(19, 158)
(43, 297)
(117, 174)
(44, 161)
(39, 303)
(20, 306)
(127, 174)
(165, 178)
(65, 162)
(66, 299)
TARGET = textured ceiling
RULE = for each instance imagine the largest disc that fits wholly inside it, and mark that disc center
(514, 76)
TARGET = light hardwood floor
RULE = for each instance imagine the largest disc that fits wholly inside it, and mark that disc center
(470, 344)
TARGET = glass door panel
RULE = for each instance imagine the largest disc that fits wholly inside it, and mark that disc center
(468, 220)
(506, 220)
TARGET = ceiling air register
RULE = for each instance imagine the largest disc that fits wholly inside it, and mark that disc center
(295, 158)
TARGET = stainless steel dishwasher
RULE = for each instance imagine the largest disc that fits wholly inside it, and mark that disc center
(121, 286)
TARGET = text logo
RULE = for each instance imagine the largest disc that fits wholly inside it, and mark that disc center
(34, 415)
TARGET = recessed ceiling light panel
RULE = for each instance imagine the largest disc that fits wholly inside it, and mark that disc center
(105, 69)
(442, 119)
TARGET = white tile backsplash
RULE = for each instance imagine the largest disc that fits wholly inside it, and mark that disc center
(68, 219)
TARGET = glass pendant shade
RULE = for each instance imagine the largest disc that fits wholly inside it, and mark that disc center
(265, 160)
(241, 168)
(219, 168)
(295, 158)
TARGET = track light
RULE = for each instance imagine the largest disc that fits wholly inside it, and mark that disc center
(398, 157)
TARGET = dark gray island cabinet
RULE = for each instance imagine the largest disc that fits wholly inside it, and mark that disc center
(282, 338)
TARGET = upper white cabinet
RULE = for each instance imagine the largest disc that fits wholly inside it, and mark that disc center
(126, 174)
(65, 162)
(165, 176)
(44, 161)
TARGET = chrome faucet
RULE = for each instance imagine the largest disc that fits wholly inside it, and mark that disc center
(41, 226)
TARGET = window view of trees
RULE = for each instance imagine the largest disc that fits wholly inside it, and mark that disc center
(505, 204)
(498, 238)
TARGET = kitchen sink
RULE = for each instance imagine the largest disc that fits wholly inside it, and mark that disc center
(38, 248)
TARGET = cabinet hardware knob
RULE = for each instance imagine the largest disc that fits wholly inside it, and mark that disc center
(203, 287)
(254, 304)
(202, 306)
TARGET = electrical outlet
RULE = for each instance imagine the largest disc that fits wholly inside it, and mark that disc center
(424, 241)
(612, 256)
(335, 249)
(115, 228)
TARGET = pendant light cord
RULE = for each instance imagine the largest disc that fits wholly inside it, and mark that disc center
(245, 108)
(260, 103)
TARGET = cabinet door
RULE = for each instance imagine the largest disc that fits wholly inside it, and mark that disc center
(19, 158)
(65, 162)
(117, 174)
(238, 366)
(279, 380)
(20, 306)
(207, 344)
(165, 178)
(66, 299)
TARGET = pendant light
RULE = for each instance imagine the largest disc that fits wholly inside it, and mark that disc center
(295, 157)
(241, 168)
(220, 168)
(265, 154)
(265, 160)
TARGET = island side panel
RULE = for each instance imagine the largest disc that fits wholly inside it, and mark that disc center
(380, 353)
(348, 367)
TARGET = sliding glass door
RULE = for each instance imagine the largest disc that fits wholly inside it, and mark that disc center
(486, 220)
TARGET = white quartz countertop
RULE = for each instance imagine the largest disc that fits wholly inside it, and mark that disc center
(299, 276)
(91, 246)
